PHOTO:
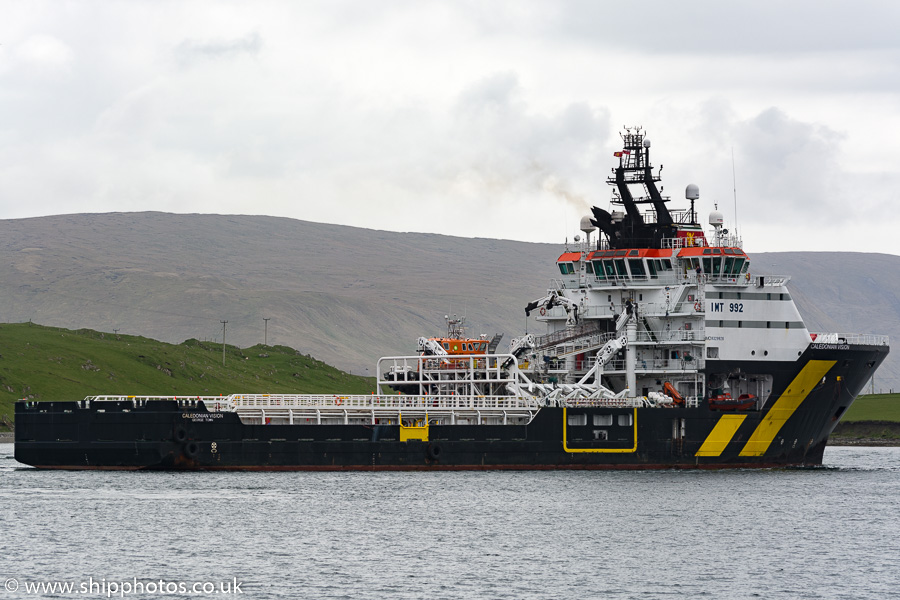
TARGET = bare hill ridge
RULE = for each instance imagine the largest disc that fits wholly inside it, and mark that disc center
(345, 295)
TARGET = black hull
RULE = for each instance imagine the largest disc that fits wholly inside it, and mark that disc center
(791, 430)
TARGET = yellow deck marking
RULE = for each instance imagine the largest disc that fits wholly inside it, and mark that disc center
(785, 406)
(601, 450)
(414, 432)
(720, 435)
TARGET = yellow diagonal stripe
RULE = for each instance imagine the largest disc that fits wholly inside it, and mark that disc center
(721, 434)
(785, 406)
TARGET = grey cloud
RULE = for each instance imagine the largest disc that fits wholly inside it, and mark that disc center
(706, 26)
(191, 50)
(517, 150)
(787, 170)
(792, 166)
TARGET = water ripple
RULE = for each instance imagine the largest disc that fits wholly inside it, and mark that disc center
(829, 532)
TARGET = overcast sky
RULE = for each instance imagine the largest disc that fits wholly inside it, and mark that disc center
(487, 119)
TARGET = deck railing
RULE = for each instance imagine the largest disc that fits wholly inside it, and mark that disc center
(851, 339)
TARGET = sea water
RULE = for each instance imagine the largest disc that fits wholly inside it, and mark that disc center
(831, 532)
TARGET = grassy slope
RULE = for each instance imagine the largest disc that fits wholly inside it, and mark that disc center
(872, 417)
(874, 407)
(48, 363)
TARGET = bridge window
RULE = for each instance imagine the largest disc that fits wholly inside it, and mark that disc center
(651, 265)
(620, 269)
(729, 265)
(589, 267)
(637, 267)
(598, 269)
(610, 269)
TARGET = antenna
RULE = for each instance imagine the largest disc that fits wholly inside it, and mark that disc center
(734, 184)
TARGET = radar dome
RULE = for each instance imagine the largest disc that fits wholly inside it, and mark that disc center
(646, 143)
(586, 225)
(715, 219)
(692, 192)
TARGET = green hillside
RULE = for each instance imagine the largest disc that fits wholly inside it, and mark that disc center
(48, 363)
(874, 407)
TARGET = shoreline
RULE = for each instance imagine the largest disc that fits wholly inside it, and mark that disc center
(842, 441)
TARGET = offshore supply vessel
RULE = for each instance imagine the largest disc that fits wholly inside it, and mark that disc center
(663, 349)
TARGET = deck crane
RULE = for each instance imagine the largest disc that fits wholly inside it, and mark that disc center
(552, 299)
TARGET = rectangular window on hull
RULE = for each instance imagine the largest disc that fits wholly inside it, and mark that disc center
(576, 420)
(625, 420)
(603, 420)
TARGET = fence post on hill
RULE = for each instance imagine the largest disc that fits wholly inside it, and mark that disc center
(223, 342)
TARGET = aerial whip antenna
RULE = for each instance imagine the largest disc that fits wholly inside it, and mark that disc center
(734, 187)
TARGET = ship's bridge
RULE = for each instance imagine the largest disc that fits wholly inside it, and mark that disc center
(653, 265)
(715, 263)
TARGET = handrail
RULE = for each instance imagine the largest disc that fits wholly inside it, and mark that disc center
(371, 401)
(851, 339)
